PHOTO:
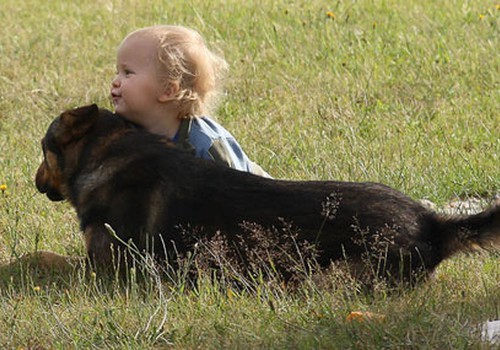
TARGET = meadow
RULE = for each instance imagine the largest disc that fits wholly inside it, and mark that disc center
(406, 93)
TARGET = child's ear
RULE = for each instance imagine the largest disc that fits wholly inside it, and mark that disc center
(169, 93)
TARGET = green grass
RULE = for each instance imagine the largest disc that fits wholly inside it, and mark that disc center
(400, 92)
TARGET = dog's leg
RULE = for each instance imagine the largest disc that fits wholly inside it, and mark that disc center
(100, 245)
(105, 252)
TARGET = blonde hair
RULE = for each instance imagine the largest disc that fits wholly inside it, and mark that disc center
(183, 58)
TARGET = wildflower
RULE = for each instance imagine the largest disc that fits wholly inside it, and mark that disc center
(36, 289)
(230, 294)
(330, 14)
(497, 6)
(3, 190)
(481, 16)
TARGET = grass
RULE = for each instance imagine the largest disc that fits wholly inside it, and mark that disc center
(400, 92)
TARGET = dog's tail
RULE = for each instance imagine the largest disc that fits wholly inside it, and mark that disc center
(469, 232)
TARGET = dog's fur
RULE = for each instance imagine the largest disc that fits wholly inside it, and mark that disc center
(149, 192)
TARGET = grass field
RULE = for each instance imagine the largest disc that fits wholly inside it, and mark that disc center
(401, 92)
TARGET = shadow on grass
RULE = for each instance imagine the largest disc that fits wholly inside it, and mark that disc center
(40, 268)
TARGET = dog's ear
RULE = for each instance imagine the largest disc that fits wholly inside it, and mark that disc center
(75, 123)
(79, 120)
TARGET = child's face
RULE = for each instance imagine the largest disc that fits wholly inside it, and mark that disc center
(136, 89)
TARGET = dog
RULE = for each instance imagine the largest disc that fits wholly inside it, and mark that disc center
(118, 175)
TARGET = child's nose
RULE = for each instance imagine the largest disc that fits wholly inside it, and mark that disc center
(116, 81)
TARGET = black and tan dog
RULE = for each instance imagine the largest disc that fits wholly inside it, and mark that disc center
(149, 192)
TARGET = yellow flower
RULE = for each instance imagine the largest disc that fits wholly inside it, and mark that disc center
(3, 187)
(36, 289)
(497, 6)
(230, 294)
(330, 14)
(481, 16)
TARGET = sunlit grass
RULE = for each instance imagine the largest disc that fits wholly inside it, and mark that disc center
(401, 92)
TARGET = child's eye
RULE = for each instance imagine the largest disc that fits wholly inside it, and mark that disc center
(128, 72)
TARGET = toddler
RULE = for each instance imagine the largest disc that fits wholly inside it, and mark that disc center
(165, 81)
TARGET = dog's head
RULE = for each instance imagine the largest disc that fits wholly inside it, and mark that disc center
(60, 148)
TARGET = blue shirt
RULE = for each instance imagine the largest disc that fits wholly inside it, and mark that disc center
(209, 140)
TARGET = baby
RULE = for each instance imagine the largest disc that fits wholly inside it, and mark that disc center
(166, 78)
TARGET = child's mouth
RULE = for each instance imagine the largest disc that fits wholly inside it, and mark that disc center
(115, 98)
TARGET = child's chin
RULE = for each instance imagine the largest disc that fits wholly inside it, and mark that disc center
(120, 111)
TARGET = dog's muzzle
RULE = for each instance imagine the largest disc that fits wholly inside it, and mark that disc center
(43, 184)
